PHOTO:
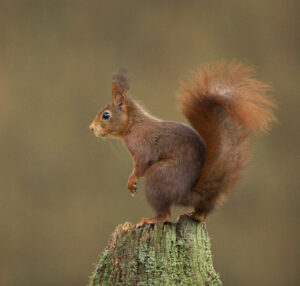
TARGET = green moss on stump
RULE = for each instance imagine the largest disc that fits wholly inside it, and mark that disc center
(160, 254)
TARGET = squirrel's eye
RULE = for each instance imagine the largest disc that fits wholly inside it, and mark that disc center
(105, 115)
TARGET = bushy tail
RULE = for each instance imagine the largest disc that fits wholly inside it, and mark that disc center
(224, 104)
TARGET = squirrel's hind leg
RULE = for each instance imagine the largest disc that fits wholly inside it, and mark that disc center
(158, 218)
(198, 216)
(200, 212)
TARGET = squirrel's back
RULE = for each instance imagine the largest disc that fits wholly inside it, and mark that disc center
(224, 104)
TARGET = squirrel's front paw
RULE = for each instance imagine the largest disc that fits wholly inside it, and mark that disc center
(132, 188)
(132, 185)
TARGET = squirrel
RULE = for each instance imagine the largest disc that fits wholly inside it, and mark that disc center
(190, 166)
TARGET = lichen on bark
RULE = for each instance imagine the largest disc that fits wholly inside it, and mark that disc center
(161, 254)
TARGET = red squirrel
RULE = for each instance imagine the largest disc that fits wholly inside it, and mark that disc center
(190, 166)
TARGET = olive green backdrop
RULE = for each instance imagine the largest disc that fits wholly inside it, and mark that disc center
(63, 191)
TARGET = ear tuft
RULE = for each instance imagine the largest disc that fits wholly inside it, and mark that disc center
(120, 82)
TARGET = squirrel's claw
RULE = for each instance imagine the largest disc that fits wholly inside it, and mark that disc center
(132, 188)
(152, 220)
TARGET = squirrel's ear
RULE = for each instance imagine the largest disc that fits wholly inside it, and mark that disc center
(120, 86)
(120, 100)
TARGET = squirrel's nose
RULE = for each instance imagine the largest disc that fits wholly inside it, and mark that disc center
(91, 128)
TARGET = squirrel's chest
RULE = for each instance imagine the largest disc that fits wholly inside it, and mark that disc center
(145, 145)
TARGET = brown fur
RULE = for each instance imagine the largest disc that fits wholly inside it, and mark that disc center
(223, 105)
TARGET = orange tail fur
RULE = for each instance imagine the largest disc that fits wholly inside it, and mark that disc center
(224, 104)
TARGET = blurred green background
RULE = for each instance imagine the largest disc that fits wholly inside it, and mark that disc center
(63, 191)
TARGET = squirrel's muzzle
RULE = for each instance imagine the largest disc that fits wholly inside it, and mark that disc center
(91, 127)
(96, 129)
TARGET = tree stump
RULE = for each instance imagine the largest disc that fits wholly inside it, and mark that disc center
(161, 254)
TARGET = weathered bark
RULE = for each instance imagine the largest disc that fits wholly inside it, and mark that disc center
(161, 254)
